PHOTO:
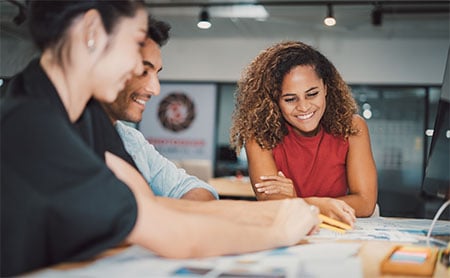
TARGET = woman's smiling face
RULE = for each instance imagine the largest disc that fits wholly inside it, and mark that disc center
(303, 99)
(122, 58)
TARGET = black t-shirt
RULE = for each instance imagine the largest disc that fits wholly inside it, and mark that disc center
(98, 132)
(59, 201)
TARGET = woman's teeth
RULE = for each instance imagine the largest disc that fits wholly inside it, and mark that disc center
(306, 116)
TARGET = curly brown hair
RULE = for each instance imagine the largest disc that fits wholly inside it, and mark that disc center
(257, 114)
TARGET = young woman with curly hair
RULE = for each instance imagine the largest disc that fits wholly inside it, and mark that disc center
(297, 120)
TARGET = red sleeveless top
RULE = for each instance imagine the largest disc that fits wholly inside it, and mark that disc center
(316, 165)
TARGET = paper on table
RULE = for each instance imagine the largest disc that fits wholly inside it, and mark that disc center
(282, 262)
(387, 229)
(409, 225)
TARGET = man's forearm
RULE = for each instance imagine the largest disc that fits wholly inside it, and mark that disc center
(198, 194)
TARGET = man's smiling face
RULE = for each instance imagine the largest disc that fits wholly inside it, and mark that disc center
(130, 103)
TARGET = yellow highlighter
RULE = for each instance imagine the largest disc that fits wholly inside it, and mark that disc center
(333, 225)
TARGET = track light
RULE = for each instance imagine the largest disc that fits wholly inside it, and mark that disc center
(377, 16)
(203, 21)
(329, 20)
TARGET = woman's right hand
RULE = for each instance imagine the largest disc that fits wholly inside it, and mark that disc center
(334, 208)
(295, 219)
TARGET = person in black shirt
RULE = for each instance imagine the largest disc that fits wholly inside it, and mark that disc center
(59, 200)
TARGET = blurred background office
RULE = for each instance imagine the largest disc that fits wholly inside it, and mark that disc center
(392, 53)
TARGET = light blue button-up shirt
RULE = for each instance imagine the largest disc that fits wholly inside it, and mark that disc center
(162, 175)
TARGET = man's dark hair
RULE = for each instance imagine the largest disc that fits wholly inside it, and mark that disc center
(158, 31)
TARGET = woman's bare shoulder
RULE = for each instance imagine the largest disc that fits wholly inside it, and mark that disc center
(360, 124)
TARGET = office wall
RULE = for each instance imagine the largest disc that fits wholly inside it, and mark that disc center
(369, 61)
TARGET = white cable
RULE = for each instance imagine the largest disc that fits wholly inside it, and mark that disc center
(436, 217)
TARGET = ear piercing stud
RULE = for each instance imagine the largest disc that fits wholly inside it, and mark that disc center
(91, 44)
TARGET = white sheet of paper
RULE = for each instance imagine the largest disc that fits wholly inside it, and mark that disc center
(386, 229)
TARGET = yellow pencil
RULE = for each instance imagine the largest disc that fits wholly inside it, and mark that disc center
(329, 223)
(332, 228)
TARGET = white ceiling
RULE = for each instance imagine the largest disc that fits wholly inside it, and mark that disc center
(289, 20)
(305, 18)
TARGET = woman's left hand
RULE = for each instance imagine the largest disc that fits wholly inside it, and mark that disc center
(276, 185)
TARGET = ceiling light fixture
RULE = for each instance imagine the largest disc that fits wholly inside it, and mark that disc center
(203, 21)
(377, 16)
(329, 20)
(257, 12)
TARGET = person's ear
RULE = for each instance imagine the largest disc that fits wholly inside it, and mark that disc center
(94, 33)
